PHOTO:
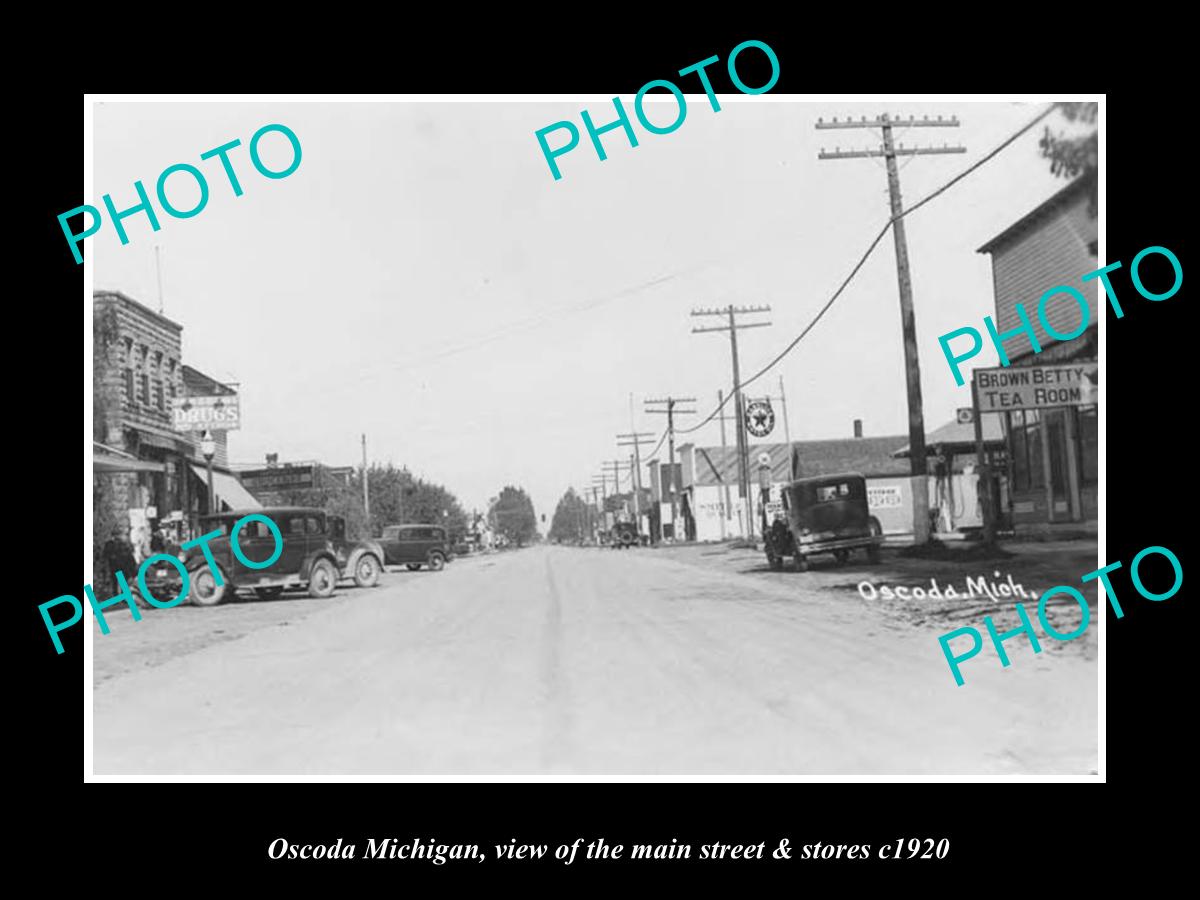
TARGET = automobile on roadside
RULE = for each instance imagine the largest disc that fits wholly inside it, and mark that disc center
(625, 534)
(309, 557)
(823, 514)
(360, 560)
(414, 546)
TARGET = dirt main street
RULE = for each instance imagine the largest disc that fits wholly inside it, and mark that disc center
(578, 662)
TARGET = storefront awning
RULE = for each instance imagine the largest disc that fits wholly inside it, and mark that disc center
(106, 459)
(104, 462)
(228, 490)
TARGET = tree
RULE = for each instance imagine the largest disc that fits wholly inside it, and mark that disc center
(332, 494)
(512, 515)
(570, 518)
(1074, 156)
(398, 497)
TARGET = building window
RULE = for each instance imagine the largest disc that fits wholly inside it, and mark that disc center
(143, 352)
(129, 386)
(1087, 432)
(158, 395)
(171, 366)
(158, 359)
(144, 389)
(1025, 437)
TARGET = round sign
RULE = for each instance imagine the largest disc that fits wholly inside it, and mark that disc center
(764, 459)
(760, 418)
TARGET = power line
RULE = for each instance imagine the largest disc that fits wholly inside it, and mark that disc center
(871, 249)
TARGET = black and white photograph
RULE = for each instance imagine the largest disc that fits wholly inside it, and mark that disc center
(677, 436)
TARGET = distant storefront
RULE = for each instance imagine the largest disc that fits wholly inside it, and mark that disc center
(1052, 453)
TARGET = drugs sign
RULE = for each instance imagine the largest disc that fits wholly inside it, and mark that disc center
(213, 413)
(1036, 387)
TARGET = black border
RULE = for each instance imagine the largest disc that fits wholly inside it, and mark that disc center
(992, 827)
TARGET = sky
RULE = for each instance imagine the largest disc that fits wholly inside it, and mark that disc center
(423, 279)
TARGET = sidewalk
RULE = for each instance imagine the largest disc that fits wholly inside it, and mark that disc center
(1035, 565)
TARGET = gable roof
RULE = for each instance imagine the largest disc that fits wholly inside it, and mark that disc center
(1059, 199)
(869, 456)
(960, 438)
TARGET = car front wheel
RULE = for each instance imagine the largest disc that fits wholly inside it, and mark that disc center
(366, 573)
(412, 567)
(322, 580)
(205, 590)
(437, 561)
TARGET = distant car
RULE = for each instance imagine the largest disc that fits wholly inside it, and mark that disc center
(414, 546)
(307, 559)
(360, 560)
(625, 534)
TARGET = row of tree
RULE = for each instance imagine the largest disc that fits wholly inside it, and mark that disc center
(399, 497)
(396, 496)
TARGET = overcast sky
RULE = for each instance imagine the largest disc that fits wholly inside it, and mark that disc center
(421, 277)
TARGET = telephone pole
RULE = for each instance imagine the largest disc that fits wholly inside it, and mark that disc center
(366, 496)
(671, 412)
(728, 512)
(635, 440)
(614, 468)
(739, 409)
(889, 151)
(787, 433)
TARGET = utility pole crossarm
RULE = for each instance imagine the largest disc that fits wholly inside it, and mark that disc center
(900, 151)
(740, 325)
(880, 121)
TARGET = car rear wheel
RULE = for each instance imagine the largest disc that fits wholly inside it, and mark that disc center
(205, 591)
(366, 573)
(874, 552)
(412, 567)
(322, 580)
(437, 561)
(268, 593)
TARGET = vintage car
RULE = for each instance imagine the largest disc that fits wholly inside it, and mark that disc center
(307, 558)
(624, 534)
(824, 514)
(360, 560)
(414, 546)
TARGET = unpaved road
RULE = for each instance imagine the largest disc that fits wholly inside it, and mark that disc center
(578, 662)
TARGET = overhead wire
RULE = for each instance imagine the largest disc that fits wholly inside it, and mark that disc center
(871, 249)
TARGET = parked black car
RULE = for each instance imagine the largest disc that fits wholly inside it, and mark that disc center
(308, 557)
(415, 546)
(825, 514)
(360, 560)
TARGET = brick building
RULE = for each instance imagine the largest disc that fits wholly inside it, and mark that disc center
(1052, 452)
(137, 372)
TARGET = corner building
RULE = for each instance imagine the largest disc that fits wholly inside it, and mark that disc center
(1052, 453)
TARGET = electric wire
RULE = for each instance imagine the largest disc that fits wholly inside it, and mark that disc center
(871, 249)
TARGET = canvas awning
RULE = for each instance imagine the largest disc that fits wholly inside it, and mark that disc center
(228, 489)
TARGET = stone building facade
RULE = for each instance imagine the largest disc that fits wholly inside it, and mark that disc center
(138, 371)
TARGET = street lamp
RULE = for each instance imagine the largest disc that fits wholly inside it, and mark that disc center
(208, 447)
